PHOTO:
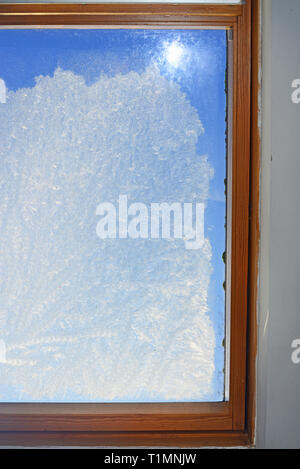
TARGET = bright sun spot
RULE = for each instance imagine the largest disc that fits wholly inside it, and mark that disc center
(174, 53)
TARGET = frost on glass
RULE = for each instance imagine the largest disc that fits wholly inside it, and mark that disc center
(107, 320)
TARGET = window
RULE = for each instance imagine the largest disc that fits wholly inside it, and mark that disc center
(108, 216)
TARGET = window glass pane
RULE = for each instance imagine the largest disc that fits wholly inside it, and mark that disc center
(112, 212)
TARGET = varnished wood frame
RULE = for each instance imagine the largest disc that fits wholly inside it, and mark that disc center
(185, 425)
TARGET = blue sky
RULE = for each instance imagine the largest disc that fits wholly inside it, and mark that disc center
(199, 70)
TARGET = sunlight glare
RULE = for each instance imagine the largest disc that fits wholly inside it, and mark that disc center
(174, 53)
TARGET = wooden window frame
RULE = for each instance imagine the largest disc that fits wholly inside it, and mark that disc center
(182, 425)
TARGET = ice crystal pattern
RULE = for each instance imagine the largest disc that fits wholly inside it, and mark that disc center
(103, 320)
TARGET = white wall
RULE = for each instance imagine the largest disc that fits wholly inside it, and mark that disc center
(279, 311)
